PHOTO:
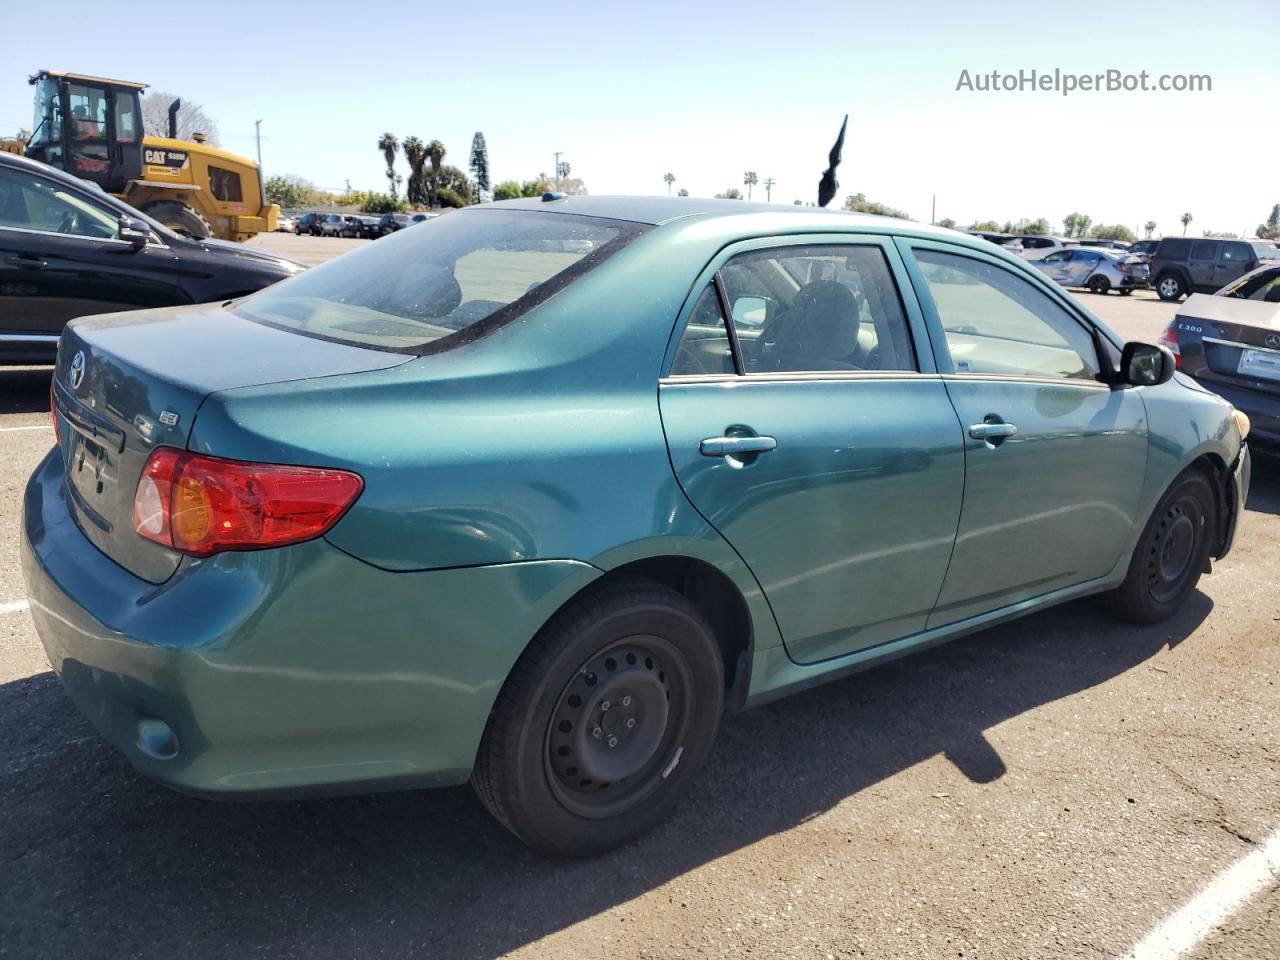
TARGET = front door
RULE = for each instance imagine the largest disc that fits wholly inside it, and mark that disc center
(807, 434)
(1079, 264)
(1054, 459)
(1234, 262)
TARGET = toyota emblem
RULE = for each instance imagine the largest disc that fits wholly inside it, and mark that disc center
(1273, 340)
(76, 376)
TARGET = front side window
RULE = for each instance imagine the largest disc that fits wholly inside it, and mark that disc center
(997, 323)
(1058, 257)
(35, 203)
(817, 309)
(451, 280)
(1204, 250)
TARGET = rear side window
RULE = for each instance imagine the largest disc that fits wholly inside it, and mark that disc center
(443, 283)
(224, 185)
(998, 323)
(704, 346)
(1175, 249)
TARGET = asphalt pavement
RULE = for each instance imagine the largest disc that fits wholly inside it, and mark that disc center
(1052, 788)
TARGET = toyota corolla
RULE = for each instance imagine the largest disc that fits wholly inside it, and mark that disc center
(533, 494)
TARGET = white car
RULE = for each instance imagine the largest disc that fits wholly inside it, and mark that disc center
(284, 224)
(1036, 247)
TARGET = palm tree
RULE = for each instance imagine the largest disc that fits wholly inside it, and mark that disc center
(416, 154)
(670, 178)
(1150, 227)
(436, 151)
(1186, 220)
(388, 144)
(750, 180)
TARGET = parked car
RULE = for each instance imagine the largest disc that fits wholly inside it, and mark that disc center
(391, 222)
(1103, 244)
(309, 223)
(417, 218)
(354, 224)
(1143, 247)
(1230, 343)
(284, 224)
(1036, 247)
(365, 227)
(1100, 271)
(447, 525)
(1183, 265)
(331, 225)
(69, 250)
(1007, 240)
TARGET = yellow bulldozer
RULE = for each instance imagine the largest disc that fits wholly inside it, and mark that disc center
(92, 127)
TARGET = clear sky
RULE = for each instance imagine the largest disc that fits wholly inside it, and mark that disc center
(708, 90)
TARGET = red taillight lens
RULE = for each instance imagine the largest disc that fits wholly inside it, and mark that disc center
(201, 505)
(1169, 338)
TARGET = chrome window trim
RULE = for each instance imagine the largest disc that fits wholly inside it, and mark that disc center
(29, 337)
(679, 379)
(80, 236)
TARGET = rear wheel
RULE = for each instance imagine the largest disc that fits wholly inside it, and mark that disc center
(604, 722)
(1170, 287)
(1099, 285)
(180, 219)
(1171, 553)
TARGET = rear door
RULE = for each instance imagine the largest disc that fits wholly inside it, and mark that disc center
(816, 436)
(1054, 459)
(1202, 264)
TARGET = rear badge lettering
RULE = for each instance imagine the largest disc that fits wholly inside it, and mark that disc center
(168, 418)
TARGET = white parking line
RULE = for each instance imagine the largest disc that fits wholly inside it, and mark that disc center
(13, 606)
(38, 426)
(1185, 929)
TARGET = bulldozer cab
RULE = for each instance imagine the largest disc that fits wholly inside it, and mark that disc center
(88, 126)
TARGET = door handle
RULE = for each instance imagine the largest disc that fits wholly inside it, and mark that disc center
(735, 446)
(993, 430)
(25, 261)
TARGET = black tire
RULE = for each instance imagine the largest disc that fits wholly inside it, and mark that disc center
(1126, 291)
(1099, 285)
(632, 667)
(180, 219)
(1170, 288)
(1171, 554)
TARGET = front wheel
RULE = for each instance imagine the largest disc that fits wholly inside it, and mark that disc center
(1171, 554)
(604, 721)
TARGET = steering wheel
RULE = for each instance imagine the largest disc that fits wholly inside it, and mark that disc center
(70, 222)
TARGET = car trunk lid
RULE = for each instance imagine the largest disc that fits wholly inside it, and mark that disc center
(127, 383)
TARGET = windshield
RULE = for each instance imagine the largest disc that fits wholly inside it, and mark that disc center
(1265, 251)
(46, 126)
(448, 281)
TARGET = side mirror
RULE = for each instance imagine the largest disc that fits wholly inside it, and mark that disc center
(1145, 364)
(138, 235)
(750, 311)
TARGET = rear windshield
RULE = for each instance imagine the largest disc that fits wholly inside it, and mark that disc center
(447, 281)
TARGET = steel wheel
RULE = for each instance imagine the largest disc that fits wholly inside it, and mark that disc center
(1173, 548)
(614, 726)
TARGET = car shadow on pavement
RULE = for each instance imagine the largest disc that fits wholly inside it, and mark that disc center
(99, 861)
(24, 390)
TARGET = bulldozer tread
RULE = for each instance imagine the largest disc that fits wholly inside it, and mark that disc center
(180, 218)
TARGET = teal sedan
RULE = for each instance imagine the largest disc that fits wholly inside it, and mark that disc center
(531, 496)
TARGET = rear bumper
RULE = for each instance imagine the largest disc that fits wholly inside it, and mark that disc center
(278, 672)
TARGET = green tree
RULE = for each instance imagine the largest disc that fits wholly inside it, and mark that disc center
(1150, 228)
(415, 153)
(388, 144)
(507, 190)
(290, 191)
(536, 187)
(944, 222)
(1115, 232)
(682, 192)
(1076, 225)
(858, 203)
(1271, 229)
(383, 203)
(1186, 219)
(1033, 228)
(436, 152)
(457, 182)
(670, 178)
(450, 198)
(480, 166)
(733, 193)
(749, 180)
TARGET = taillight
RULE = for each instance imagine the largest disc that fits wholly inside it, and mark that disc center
(1169, 338)
(201, 505)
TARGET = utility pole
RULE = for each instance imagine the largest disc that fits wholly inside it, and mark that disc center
(348, 182)
(558, 155)
(768, 189)
(933, 211)
(257, 136)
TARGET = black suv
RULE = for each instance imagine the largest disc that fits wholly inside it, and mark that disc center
(1183, 265)
(308, 223)
(68, 250)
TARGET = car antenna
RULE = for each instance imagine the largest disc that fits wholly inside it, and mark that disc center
(828, 185)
